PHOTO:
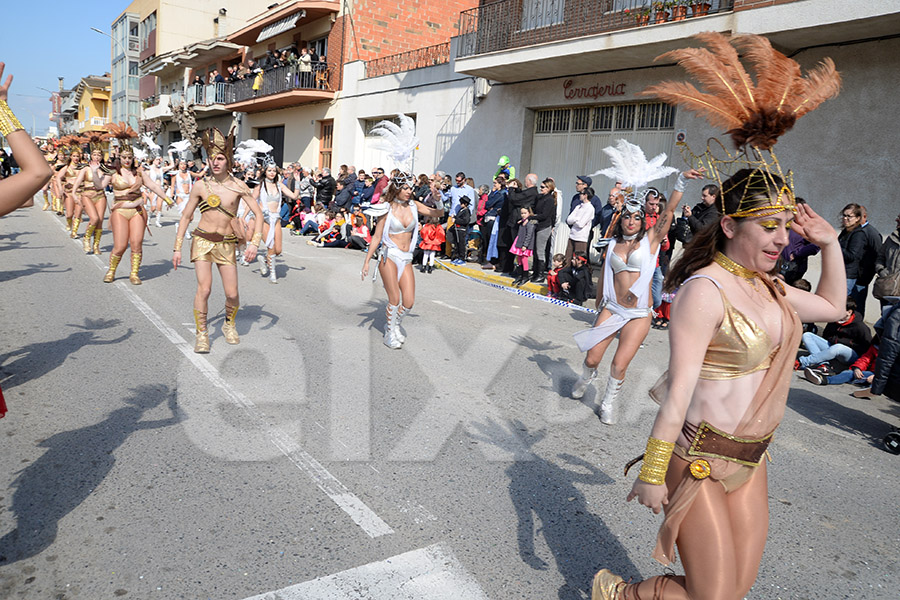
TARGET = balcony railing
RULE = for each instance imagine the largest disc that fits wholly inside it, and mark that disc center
(509, 24)
(282, 79)
(204, 95)
(407, 61)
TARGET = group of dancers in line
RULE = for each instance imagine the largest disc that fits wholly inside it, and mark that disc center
(735, 328)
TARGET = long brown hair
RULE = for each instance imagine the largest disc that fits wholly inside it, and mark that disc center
(702, 248)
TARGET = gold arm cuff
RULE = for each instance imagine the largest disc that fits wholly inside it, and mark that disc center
(179, 241)
(656, 461)
(8, 121)
(256, 239)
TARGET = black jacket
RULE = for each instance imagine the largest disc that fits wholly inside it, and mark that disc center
(870, 254)
(344, 198)
(853, 245)
(463, 217)
(516, 200)
(855, 334)
(887, 367)
(325, 189)
(702, 215)
(545, 211)
(579, 280)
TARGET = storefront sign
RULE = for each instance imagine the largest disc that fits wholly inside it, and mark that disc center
(593, 92)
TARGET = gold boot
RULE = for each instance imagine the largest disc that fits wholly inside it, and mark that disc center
(46, 202)
(68, 223)
(86, 240)
(607, 586)
(97, 233)
(76, 223)
(135, 265)
(201, 344)
(228, 328)
(113, 264)
(59, 206)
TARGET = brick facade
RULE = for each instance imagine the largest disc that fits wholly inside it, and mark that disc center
(384, 28)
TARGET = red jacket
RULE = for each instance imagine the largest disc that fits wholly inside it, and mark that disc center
(432, 235)
(866, 362)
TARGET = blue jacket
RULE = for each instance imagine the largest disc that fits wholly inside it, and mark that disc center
(494, 201)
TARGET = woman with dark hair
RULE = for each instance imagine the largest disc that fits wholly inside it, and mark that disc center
(623, 296)
(397, 232)
(270, 194)
(853, 242)
(545, 219)
(127, 217)
(734, 333)
(90, 183)
(65, 180)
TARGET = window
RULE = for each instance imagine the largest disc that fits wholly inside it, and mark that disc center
(133, 68)
(147, 27)
(326, 139)
(371, 124)
(320, 46)
(133, 29)
(542, 13)
(647, 116)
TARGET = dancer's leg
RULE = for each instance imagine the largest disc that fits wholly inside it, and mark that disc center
(631, 337)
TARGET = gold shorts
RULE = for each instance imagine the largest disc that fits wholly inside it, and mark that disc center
(128, 213)
(220, 253)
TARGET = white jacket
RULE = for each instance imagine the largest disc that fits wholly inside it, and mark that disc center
(579, 220)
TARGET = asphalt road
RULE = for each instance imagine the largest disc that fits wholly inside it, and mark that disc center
(313, 461)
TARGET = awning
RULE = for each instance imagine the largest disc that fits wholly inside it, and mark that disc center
(280, 26)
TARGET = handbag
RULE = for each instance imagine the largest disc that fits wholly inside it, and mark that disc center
(887, 286)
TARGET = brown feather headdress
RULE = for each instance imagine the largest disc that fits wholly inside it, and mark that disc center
(95, 140)
(123, 132)
(753, 113)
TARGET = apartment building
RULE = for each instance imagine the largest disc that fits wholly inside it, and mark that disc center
(87, 105)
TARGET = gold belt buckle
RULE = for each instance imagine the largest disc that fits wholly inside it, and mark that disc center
(700, 468)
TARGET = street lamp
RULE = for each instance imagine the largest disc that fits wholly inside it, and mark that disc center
(125, 66)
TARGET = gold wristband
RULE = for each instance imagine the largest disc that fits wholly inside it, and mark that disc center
(8, 121)
(178, 243)
(656, 461)
(256, 239)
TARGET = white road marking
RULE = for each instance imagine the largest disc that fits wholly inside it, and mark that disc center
(361, 514)
(431, 573)
(450, 306)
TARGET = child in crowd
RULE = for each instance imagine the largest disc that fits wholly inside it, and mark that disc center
(802, 284)
(523, 245)
(360, 237)
(433, 238)
(559, 262)
(861, 372)
(311, 221)
(575, 280)
(461, 223)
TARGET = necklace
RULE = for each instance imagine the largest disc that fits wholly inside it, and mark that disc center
(741, 271)
(628, 238)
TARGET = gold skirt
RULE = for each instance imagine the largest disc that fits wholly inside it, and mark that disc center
(220, 253)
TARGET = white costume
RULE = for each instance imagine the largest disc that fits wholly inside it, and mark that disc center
(393, 226)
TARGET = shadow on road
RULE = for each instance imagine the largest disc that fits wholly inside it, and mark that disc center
(823, 411)
(31, 270)
(74, 465)
(37, 359)
(549, 504)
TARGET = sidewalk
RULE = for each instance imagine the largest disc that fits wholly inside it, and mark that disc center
(475, 271)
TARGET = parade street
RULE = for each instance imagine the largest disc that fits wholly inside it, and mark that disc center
(312, 462)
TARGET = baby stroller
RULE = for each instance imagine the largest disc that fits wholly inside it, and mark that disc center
(473, 244)
(892, 441)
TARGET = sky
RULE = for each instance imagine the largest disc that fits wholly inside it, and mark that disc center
(43, 40)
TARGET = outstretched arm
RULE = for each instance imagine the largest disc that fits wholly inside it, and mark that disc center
(427, 211)
(156, 189)
(661, 229)
(34, 171)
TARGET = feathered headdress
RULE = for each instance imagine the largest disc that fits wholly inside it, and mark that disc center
(399, 141)
(247, 153)
(124, 133)
(152, 147)
(139, 154)
(95, 140)
(181, 147)
(631, 167)
(754, 113)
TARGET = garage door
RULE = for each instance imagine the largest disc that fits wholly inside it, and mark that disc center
(569, 142)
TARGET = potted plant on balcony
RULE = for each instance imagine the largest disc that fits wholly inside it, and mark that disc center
(641, 15)
(661, 9)
(700, 9)
(679, 10)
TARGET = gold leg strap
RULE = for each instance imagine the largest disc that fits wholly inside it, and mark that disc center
(231, 314)
(200, 320)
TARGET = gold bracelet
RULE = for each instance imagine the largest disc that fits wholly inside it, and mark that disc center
(256, 239)
(8, 121)
(178, 243)
(656, 461)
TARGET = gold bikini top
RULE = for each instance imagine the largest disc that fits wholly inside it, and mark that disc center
(212, 202)
(739, 347)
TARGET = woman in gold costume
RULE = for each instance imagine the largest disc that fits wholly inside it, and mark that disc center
(65, 181)
(91, 181)
(734, 330)
(127, 217)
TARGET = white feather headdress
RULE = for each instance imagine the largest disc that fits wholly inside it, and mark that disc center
(139, 154)
(398, 141)
(152, 146)
(246, 153)
(181, 147)
(631, 167)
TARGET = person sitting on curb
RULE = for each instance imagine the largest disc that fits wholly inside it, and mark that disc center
(844, 340)
(861, 372)
(575, 280)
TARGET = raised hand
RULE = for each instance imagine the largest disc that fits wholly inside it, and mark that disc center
(4, 89)
(813, 227)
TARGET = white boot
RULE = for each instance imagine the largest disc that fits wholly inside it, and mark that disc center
(158, 222)
(263, 265)
(608, 404)
(390, 338)
(587, 376)
(397, 332)
(271, 262)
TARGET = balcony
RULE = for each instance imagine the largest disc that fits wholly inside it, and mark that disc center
(280, 88)
(515, 40)
(408, 61)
